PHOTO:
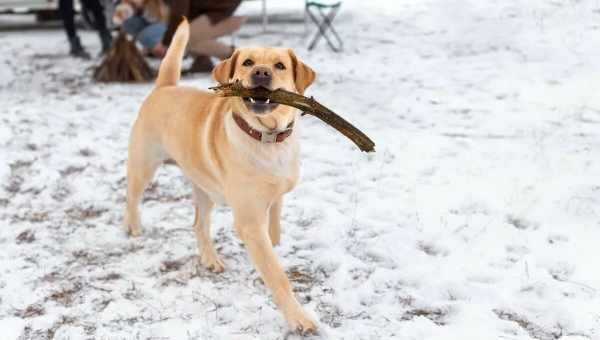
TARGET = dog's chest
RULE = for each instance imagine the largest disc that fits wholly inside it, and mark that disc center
(217, 197)
(278, 163)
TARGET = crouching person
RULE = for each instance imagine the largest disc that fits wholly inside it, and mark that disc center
(209, 20)
(145, 20)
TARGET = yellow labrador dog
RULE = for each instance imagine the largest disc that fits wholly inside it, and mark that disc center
(239, 151)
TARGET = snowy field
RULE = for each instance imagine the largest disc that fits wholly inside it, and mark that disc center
(477, 218)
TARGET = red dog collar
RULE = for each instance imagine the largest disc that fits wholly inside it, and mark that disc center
(264, 137)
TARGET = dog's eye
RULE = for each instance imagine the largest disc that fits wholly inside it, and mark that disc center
(280, 66)
(248, 62)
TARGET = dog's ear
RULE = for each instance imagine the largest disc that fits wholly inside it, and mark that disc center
(303, 74)
(225, 69)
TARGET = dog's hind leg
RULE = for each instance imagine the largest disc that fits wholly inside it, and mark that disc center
(208, 255)
(141, 166)
(275, 221)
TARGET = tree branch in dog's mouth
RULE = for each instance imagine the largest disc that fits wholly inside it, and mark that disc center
(307, 105)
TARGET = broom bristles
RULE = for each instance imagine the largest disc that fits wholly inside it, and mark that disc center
(123, 63)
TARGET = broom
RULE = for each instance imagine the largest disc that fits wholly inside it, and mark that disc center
(123, 63)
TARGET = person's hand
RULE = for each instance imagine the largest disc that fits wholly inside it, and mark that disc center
(159, 50)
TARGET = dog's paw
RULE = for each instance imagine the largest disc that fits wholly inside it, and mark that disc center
(301, 322)
(275, 240)
(132, 226)
(211, 261)
(134, 232)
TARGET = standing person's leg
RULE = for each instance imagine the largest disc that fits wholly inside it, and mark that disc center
(67, 14)
(98, 12)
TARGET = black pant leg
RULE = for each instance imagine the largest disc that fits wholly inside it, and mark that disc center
(98, 12)
(67, 13)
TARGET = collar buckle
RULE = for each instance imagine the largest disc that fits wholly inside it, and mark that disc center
(269, 137)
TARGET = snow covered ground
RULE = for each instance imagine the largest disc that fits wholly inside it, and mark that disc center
(477, 218)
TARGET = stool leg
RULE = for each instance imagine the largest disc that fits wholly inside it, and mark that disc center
(321, 29)
(305, 17)
(324, 23)
(328, 20)
(265, 19)
(318, 34)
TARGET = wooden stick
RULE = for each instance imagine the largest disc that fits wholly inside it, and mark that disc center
(307, 105)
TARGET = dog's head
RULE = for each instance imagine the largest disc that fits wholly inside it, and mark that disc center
(272, 68)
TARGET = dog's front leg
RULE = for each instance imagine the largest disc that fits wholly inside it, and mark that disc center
(251, 225)
(275, 221)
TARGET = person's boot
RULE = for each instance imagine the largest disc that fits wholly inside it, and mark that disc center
(77, 49)
(106, 41)
(201, 64)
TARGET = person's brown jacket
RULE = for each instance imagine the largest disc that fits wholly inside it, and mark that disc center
(216, 10)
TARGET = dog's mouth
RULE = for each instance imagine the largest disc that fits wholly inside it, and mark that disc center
(259, 105)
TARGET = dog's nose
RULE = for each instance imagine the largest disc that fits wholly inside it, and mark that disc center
(261, 76)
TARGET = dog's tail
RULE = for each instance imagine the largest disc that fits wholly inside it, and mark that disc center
(170, 67)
